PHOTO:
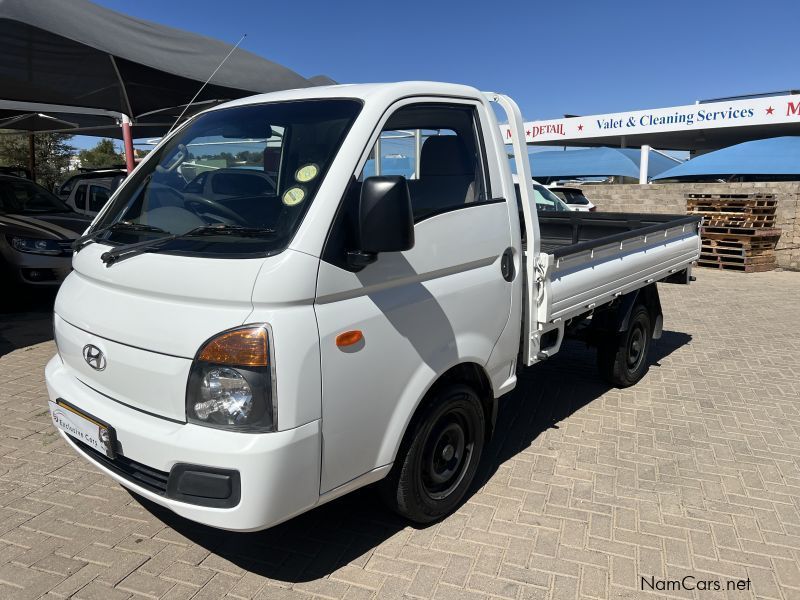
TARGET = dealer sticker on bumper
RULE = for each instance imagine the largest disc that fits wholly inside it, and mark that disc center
(83, 427)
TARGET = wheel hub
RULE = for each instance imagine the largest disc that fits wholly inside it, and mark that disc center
(636, 347)
(447, 453)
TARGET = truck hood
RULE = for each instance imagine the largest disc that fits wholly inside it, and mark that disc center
(149, 315)
(158, 302)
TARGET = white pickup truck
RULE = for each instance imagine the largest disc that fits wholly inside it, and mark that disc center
(243, 354)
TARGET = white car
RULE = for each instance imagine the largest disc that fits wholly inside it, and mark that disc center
(573, 197)
(89, 196)
(244, 357)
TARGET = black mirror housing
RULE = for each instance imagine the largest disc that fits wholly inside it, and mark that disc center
(385, 218)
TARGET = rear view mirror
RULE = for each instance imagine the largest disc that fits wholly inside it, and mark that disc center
(385, 219)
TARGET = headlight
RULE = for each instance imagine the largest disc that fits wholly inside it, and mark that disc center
(231, 384)
(34, 245)
(226, 397)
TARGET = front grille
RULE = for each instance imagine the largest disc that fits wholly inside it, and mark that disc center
(135, 472)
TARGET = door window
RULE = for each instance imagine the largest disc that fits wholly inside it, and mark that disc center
(98, 196)
(80, 197)
(437, 148)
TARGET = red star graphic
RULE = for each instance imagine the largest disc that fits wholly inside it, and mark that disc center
(770, 110)
(580, 127)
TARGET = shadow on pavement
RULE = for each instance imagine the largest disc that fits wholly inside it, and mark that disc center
(346, 530)
(26, 318)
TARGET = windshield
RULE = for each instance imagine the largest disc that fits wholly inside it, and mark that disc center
(572, 196)
(546, 200)
(21, 196)
(255, 166)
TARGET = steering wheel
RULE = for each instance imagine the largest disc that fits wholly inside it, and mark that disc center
(215, 207)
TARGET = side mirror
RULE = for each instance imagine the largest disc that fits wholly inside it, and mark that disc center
(385, 219)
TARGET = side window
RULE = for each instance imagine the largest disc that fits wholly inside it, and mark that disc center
(98, 196)
(66, 187)
(80, 197)
(437, 148)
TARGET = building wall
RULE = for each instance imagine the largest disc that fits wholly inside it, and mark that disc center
(671, 198)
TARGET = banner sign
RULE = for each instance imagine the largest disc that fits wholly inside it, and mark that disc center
(736, 113)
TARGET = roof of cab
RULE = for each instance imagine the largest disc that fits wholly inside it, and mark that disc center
(361, 91)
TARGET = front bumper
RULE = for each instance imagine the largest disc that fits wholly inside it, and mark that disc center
(279, 472)
(37, 269)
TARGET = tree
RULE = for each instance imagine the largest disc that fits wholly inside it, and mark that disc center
(104, 154)
(52, 154)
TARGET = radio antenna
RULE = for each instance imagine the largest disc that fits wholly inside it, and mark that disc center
(202, 87)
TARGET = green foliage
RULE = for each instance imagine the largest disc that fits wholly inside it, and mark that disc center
(104, 154)
(52, 154)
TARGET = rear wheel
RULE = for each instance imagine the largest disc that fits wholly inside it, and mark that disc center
(438, 461)
(622, 360)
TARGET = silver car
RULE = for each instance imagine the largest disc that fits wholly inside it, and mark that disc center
(36, 234)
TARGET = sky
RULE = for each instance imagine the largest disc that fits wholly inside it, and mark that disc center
(553, 58)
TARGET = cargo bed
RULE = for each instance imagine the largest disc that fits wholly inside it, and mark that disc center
(588, 259)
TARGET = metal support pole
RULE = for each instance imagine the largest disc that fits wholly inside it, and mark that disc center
(127, 139)
(378, 156)
(643, 164)
(32, 156)
(417, 152)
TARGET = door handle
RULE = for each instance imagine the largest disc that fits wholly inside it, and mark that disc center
(507, 264)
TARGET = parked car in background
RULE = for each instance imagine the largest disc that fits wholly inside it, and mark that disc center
(573, 197)
(546, 201)
(23, 172)
(220, 183)
(88, 196)
(64, 189)
(36, 234)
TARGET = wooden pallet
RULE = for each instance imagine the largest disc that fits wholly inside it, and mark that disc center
(738, 260)
(766, 221)
(763, 238)
(735, 251)
(729, 209)
(733, 200)
(739, 231)
(737, 267)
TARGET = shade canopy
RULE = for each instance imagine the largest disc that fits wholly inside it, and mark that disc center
(34, 122)
(772, 156)
(594, 162)
(79, 54)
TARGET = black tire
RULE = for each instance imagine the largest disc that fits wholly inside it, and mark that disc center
(439, 457)
(622, 360)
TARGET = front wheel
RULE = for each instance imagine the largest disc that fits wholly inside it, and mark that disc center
(433, 472)
(622, 360)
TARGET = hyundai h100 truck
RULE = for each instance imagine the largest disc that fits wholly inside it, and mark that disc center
(254, 326)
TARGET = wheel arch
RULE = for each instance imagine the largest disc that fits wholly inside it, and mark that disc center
(469, 373)
(616, 318)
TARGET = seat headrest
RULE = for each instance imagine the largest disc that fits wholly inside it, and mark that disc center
(445, 155)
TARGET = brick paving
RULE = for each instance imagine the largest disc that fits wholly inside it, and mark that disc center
(586, 489)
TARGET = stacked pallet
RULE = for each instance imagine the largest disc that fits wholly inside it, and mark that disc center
(738, 232)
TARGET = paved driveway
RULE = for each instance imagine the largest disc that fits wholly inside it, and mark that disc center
(585, 491)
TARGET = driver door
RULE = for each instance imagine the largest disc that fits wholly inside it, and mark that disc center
(422, 311)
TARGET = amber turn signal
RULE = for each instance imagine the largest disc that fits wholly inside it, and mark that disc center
(245, 346)
(348, 338)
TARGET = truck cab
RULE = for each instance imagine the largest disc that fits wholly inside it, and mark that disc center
(245, 356)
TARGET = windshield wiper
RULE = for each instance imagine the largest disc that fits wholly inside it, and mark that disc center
(131, 250)
(87, 239)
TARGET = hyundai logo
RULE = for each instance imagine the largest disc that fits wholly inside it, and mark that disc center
(94, 357)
